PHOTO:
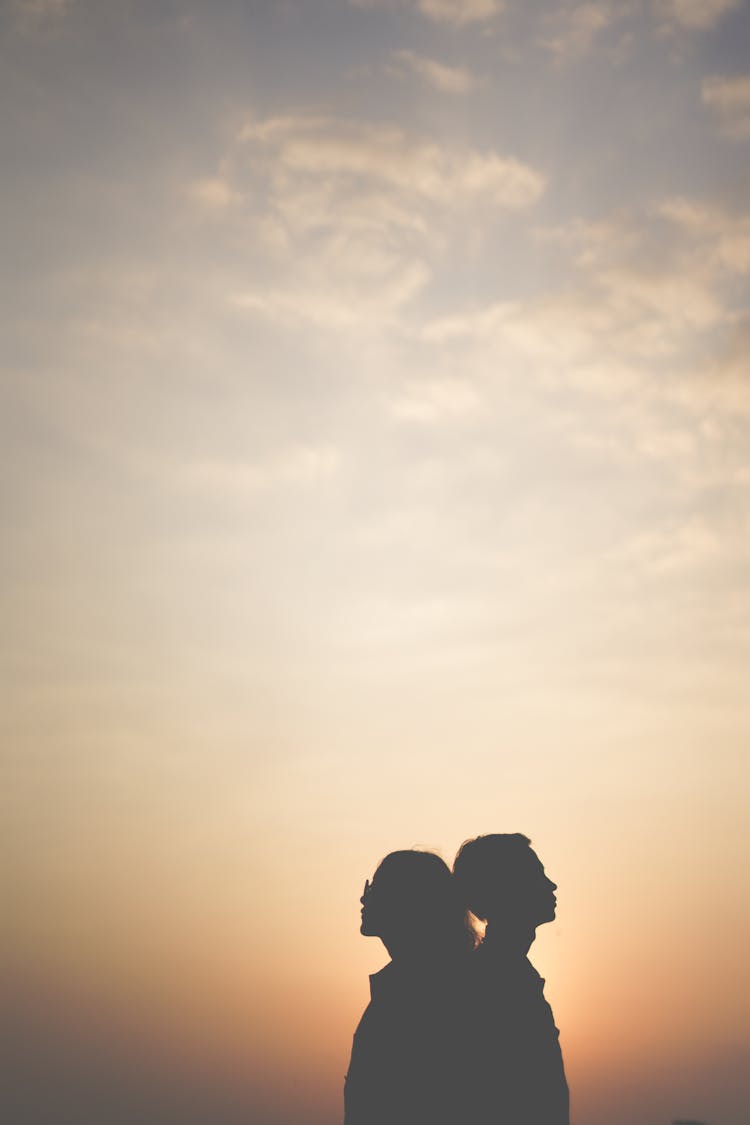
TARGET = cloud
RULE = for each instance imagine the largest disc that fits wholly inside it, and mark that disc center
(460, 12)
(664, 298)
(355, 219)
(430, 399)
(213, 193)
(729, 99)
(327, 306)
(40, 8)
(572, 30)
(625, 305)
(698, 15)
(31, 15)
(296, 467)
(650, 303)
(617, 319)
(388, 158)
(686, 545)
(452, 13)
(447, 79)
(721, 239)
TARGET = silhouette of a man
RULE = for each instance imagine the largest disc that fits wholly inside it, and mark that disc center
(515, 1073)
(402, 1069)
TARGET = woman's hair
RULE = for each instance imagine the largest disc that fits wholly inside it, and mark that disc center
(423, 898)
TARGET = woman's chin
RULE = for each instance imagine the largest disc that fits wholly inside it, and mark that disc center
(365, 928)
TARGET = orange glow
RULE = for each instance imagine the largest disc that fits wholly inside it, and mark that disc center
(375, 415)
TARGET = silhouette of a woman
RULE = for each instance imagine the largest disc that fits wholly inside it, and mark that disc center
(401, 1065)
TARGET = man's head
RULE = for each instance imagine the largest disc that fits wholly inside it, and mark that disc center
(502, 881)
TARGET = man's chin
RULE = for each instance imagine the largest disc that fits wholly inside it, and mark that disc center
(548, 916)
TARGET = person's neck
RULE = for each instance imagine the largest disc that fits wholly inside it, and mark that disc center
(512, 939)
(407, 954)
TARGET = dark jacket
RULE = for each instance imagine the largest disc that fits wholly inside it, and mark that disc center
(403, 1068)
(516, 1074)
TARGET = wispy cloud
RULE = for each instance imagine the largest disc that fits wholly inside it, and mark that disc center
(648, 301)
(446, 79)
(571, 30)
(354, 218)
(296, 467)
(376, 295)
(460, 12)
(428, 400)
(719, 239)
(729, 98)
(213, 193)
(34, 15)
(41, 8)
(694, 14)
(389, 157)
(452, 13)
(627, 304)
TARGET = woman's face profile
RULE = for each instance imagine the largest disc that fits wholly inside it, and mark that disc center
(370, 899)
(383, 904)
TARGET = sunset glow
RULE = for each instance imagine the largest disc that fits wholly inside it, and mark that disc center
(376, 418)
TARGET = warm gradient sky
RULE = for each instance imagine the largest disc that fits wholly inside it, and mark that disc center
(376, 432)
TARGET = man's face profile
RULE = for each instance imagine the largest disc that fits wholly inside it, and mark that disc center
(542, 900)
(524, 891)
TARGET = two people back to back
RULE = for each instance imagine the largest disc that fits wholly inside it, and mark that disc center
(451, 1031)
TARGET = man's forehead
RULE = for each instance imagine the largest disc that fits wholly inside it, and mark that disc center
(524, 860)
(535, 862)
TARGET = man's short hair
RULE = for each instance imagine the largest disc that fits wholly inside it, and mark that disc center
(486, 861)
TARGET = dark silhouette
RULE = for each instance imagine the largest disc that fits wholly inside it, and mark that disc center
(514, 1071)
(403, 1068)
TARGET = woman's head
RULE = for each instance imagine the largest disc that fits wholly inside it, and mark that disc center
(412, 904)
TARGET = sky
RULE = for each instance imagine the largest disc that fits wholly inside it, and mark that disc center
(375, 416)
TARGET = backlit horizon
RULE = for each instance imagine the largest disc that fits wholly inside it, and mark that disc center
(376, 419)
